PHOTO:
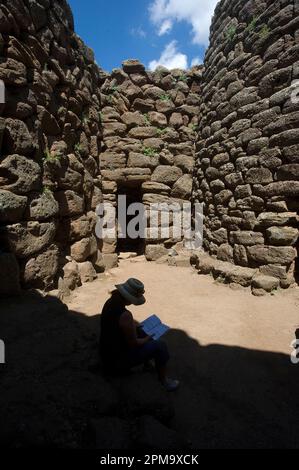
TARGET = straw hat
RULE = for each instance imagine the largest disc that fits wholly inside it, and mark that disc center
(133, 291)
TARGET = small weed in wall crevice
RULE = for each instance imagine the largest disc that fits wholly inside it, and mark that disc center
(149, 151)
(161, 132)
(265, 32)
(231, 32)
(46, 191)
(165, 97)
(146, 120)
(251, 27)
(183, 78)
(78, 149)
(50, 157)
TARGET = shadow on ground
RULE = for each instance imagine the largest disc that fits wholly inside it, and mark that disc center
(230, 397)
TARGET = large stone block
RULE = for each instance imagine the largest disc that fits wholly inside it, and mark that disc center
(183, 187)
(258, 176)
(41, 206)
(27, 238)
(267, 283)
(157, 119)
(70, 203)
(40, 271)
(167, 174)
(20, 174)
(71, 276)
(140, 160)
(133, 66)
(17, 138)
(154, 252)
(87, 272)
(112, 160)
(133, 119)
(269, 219)
(83, 249)
(282, 236)
(12, 206)
(261, 255)
(246, 238)
(143, 132)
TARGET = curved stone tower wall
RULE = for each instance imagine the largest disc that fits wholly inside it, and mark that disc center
(49, 142)
(247, 168)
(150, 122)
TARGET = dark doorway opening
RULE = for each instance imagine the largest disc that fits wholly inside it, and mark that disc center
(129, 244)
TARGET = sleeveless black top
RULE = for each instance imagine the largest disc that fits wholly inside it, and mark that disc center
(113, 346)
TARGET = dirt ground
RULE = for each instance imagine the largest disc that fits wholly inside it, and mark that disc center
(207, 312)
(230, 350)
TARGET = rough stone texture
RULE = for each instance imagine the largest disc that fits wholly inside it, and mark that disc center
(246, 171)
(224, 134)
(50, 138)
(149, 132)
(154, 252)
(87, 272)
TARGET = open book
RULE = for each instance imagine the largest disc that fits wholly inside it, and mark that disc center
(154, 327)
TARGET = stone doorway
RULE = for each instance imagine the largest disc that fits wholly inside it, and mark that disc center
(129, 244)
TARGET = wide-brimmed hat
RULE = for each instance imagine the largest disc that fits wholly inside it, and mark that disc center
(133, 291)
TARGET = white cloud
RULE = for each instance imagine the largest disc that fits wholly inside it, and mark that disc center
(138, 32)
(170, 58)
(165, 27)
(196, 61)
(196, 12)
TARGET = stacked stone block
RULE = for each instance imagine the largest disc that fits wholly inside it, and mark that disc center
(150, 122)
(49, 142)
(247, 166)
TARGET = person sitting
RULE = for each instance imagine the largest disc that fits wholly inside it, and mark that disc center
(123, 344)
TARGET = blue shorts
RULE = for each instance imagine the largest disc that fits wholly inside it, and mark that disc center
(156, 350)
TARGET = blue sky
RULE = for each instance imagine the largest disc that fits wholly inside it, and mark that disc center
(173, 33)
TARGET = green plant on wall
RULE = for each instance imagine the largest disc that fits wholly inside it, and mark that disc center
(231, 33)
(110, 98)
(252, 25)
(149, 151)
(194, 127)
(50, 157)
(78, 149)
(165, 97)
(161, 131)
(264, 32)
(183, 78)
(47, 191)
(146, 120)
(113, 89)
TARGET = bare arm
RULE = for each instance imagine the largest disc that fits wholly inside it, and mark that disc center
(128, 328)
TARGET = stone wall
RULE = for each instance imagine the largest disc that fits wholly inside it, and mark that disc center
(72, 136)
(50, 139)
(247, 168)
(150, 122)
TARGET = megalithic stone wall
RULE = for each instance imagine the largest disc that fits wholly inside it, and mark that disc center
(150, 122)
(50, 141)
(70, 134)
(247, 168)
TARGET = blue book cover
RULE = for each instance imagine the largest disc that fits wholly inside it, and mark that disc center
(153, 327)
